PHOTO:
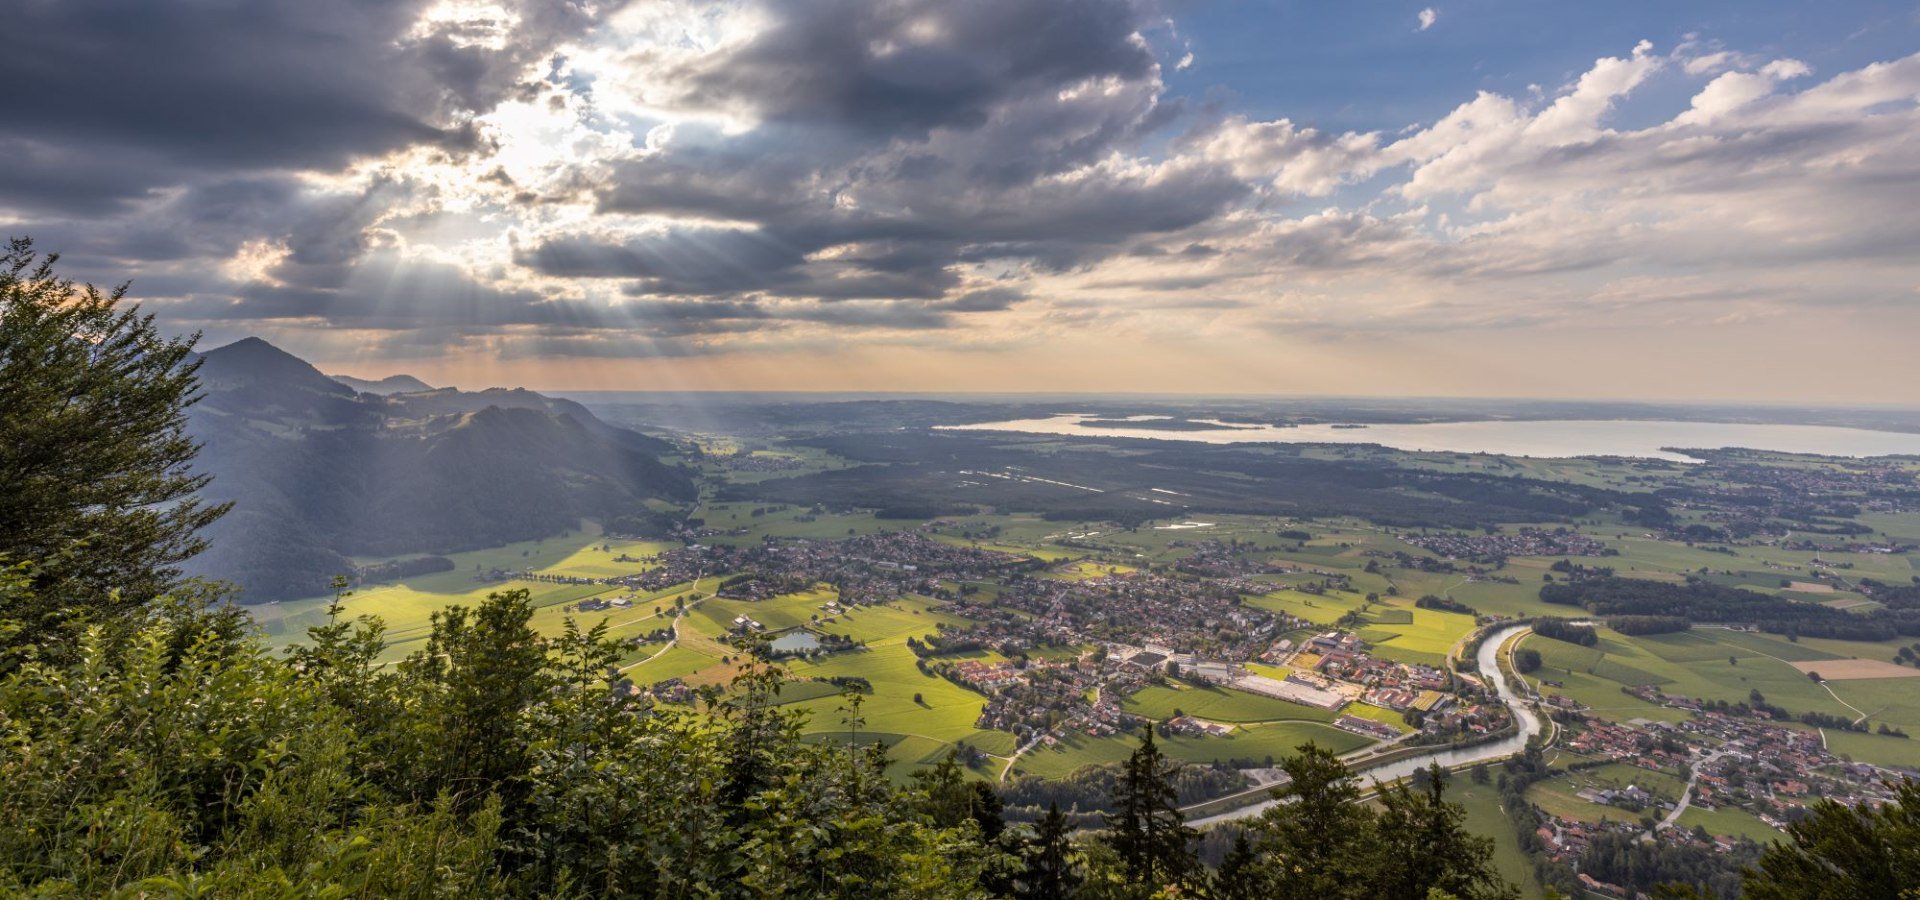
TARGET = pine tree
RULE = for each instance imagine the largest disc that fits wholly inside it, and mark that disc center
(96, 489)
(1424, 846)
(1239, 876)
(1048, 871)
(1319, 841)
(1145, 828)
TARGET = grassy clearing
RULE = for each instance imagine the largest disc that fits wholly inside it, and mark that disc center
(1888, 751)
(1485, 817)
(1690, 647)
(1393, 617)
(1730, 822)
(1087, 570)
(1767, 646)
(1255, 742)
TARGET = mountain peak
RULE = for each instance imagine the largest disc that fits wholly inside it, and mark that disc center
(251, 360)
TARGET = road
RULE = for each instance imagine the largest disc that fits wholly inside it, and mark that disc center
(1029, 745)
(1686, 796)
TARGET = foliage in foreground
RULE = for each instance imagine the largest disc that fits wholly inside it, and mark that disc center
(95, 481)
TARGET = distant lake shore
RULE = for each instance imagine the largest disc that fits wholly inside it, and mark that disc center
(1168, 423)
(1649, 439)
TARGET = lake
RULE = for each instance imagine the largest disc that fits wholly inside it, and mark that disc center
(1541, 438)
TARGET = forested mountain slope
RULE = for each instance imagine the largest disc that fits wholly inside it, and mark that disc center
(319, 472)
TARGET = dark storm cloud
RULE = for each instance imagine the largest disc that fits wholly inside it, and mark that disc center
(765, 178)
(678, 260)
(231, 85)
(909, 66)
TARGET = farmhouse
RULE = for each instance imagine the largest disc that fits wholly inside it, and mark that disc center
(1368, 727)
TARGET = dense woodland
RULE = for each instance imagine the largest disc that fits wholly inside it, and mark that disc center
(1700, 601)
(914, 471)
(151, 746)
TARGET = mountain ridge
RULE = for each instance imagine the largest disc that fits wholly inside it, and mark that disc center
(320, 472)
(392, 384)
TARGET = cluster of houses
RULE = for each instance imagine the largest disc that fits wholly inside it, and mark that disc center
(1480, 547)
(1737, 761)
(1050, 698)
(1225, 559)
(1200, 618)
(1774, 772)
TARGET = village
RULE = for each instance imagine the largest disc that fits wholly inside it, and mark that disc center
(1730, 761)
(1498, 545)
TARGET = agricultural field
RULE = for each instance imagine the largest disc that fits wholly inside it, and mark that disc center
(1706, 663)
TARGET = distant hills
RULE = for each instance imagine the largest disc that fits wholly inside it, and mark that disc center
(321, 469)
(392, 384)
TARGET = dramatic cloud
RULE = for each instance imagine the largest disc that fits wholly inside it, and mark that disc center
(529, 180)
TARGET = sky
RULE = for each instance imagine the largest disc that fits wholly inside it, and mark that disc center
(1648, 200)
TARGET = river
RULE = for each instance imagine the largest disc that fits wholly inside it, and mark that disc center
(1537, 438)
(1448, 758)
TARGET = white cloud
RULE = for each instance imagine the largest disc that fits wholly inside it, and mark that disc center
(1427, 17)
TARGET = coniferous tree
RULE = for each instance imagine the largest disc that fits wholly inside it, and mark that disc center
(1319, 841)
(1047, 867)
(1145, 828)
(1424, 845)
(989, 811)
(1239, 876)
(96, 487)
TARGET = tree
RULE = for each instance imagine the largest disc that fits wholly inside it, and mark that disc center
(96, 486)
(1047, 867)
(1526, 659)
(1145, 828)
(1319, 841)
(1840, 851)
(481, 670)
(1424, 846)
(1238, 875)
(949, 800)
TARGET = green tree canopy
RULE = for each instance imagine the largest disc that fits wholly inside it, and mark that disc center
(96, 487)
